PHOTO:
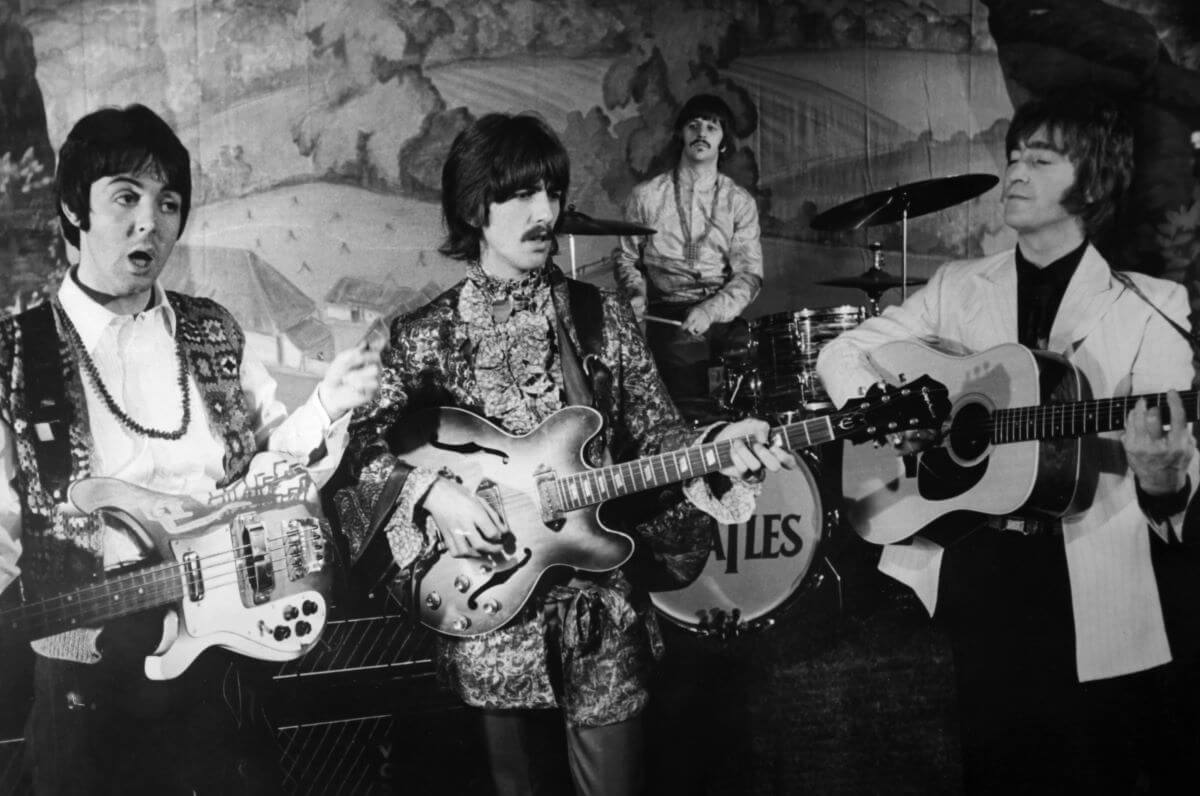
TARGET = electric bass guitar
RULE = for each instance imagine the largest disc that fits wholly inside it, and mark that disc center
(247, 569)
(548, 496)
(1012, 443)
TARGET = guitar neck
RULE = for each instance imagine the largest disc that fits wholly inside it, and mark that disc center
(1078, 418)
(590, 487)
(93, 605)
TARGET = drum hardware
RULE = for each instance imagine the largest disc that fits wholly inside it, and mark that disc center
(573, 223)
(900, 204)
(747, 378)
(779, 374)
(874, 281)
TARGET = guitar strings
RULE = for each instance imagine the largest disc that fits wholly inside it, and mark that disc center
(214, 574)
(159, 577)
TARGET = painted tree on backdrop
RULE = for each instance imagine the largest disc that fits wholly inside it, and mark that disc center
(30, 253)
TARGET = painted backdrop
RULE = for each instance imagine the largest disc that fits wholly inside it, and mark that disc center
(318, 128)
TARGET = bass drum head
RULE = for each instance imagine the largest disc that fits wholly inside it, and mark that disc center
(754, 567)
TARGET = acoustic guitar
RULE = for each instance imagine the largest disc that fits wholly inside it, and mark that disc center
(1012, 443)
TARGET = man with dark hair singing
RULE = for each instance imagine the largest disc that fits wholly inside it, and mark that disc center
(704, 265)
(158, 390)
(1067, 681)
(514, 343)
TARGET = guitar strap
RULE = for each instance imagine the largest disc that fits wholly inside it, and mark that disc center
(588, 382)
(50, 413)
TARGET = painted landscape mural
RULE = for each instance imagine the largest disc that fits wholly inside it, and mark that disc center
(318, 129)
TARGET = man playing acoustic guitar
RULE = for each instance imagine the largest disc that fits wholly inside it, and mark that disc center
(515, 342)
(116, 377)
(1068, 681)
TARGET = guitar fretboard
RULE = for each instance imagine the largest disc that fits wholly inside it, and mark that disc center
(92, 605)
(590, 487)
(1077, 418)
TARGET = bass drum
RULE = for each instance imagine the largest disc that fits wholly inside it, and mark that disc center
(756, 568)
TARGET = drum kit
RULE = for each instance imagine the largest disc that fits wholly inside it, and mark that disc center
(768, 369)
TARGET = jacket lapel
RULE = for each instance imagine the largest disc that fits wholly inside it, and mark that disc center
(993, 311)
(1089, 294)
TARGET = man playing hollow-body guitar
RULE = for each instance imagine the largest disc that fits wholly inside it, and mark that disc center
(1067, 679)
(511, 344)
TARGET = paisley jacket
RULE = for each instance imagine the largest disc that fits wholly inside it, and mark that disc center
(599, 631)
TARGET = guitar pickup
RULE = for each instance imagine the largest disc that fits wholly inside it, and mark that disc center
(193, 576)
(548, 490)
(256, 574)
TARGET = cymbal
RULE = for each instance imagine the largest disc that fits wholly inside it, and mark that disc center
(576, 223)
(873, 281)
(917, 198)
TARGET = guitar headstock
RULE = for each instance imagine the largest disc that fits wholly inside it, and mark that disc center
(890, 409)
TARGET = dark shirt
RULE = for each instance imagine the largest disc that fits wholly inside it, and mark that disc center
(1039, 294)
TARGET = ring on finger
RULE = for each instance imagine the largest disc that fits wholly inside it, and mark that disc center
(755, 476)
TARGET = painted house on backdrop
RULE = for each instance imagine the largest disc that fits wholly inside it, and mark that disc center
(281, 323)
(357, 300)
(359, 309)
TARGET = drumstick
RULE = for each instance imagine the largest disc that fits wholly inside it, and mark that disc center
(657, 319)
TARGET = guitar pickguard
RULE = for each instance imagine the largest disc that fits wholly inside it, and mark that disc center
(940, 478)
(246, 568)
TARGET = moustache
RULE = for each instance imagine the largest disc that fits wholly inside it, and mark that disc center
(540, 232)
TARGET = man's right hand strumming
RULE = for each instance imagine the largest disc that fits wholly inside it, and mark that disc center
(467, 526)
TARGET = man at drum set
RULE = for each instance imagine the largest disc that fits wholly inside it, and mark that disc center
(1069, 676)
(704, 266)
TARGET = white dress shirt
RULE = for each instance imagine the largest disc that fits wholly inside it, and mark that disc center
(135, 357)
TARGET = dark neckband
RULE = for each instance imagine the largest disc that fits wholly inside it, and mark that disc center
(103, 299)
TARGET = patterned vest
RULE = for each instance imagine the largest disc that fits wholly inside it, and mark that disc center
(60, 552)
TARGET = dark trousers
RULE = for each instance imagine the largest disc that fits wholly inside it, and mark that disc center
(683, 360)
(106, 729)
(526, 755)
(1027, 724)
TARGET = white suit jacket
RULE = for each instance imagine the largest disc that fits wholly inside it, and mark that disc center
(1121, 345)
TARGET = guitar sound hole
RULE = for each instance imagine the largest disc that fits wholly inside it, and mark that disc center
(970, 435)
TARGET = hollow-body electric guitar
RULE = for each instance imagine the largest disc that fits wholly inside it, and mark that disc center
(1012, 443)
(246, 569)
(549, 497)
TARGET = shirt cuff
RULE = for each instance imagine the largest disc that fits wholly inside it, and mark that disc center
(405, 537)
(917, 565)
(736, 505)
(1161, 507)
(10, 553)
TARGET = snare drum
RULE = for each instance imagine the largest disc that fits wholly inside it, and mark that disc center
(787, 344)
(757, 567)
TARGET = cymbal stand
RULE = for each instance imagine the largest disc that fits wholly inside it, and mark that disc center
(873, 296)
(571, 249)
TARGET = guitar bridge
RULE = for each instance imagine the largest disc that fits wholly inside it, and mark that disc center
(256, 576)
(304, 541)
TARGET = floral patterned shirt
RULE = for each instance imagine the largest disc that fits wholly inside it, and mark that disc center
(728, 273)
(490, 346)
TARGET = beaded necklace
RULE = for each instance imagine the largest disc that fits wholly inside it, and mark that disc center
(89, 367)
(691, 248)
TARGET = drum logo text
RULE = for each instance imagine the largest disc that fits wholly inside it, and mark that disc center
(763, 536)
